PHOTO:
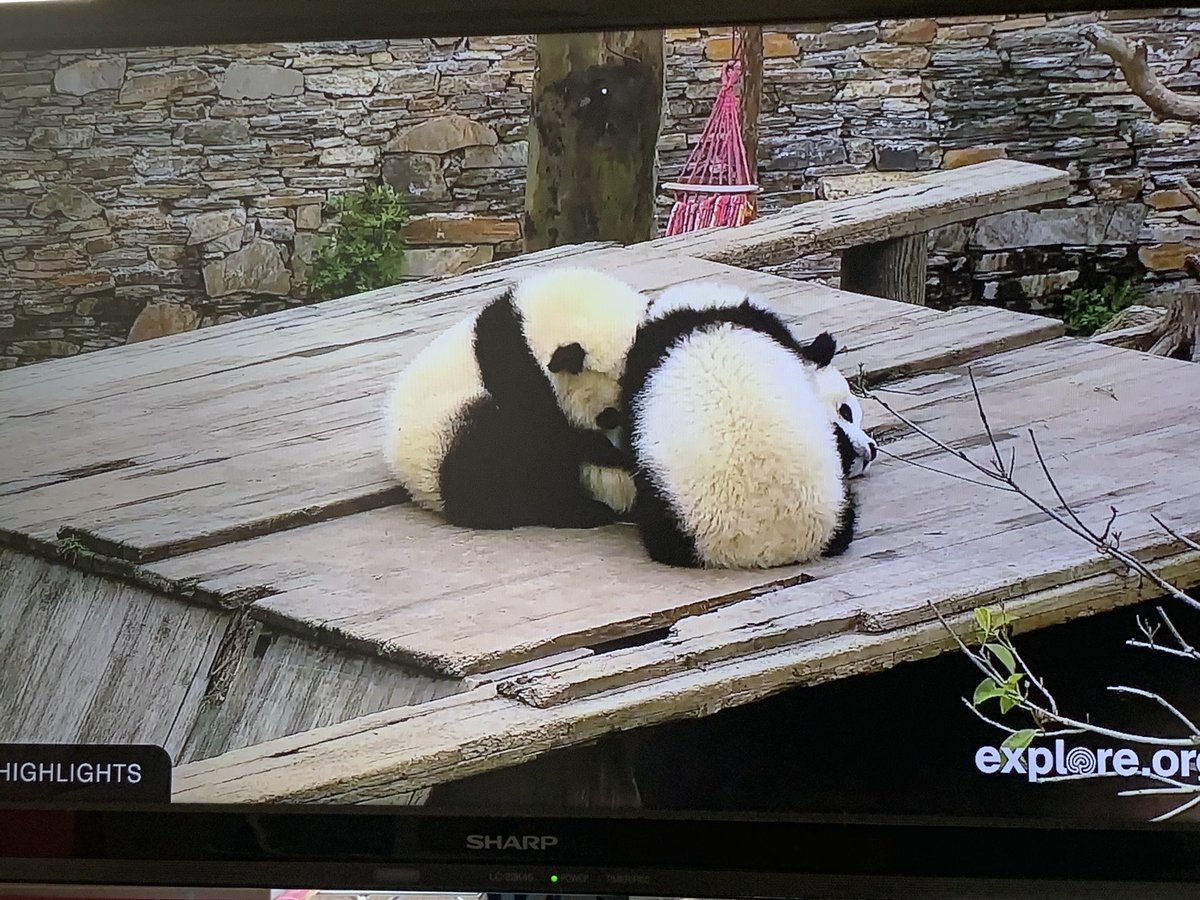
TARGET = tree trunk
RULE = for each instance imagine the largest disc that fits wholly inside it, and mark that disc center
(593, 136)
(894, 269)
(749, 41)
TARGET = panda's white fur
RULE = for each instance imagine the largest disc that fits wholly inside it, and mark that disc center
(423, 408)
(558, 306)
(840, 403)
(831, 384)
(734, 443)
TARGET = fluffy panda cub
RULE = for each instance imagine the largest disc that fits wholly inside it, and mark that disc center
(742, 455)
(508, 418)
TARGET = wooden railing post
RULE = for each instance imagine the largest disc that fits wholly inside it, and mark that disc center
(894, 269)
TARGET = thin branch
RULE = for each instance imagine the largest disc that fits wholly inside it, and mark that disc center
(1037, 449)
(999, 460)
(1029, 674)
(1145, 792)
(937, 442)
(927, 468)
(1177, 810)
(1175, 535)
(1041, 712)
(973, 708)
(1132, 59)
(1159, 648)
(1161, 701)
(1183, 644)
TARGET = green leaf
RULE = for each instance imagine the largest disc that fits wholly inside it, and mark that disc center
(1020, 739)
(1004, 655)
(1007, 702)
(983, 620)
(985, 691)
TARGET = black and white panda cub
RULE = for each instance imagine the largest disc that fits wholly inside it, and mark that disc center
(507, 419)
(743, 449)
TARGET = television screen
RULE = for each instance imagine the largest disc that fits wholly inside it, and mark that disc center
(770, 421)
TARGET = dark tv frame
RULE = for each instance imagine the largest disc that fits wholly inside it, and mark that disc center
(601, 855)
(643, 854)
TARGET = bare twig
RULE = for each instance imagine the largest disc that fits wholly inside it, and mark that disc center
(1177, 810)
(1107, 544)
(1033, 678)
(1184, 650)
(1161, 701)
(937, 471)
(1186, 541)
(1146, 792)
(1132, 59)
(987, 428)
(1175, 633)
(1159, 648)
(975, 709)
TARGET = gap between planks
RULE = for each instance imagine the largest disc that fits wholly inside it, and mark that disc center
(361, 760)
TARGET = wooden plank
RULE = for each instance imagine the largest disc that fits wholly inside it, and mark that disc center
(895, 269)
(410, 587)
(207, 457)
(357, 761)
(143, 668)
(927, 202)
(78, 653)
(875, 598)
(283, 685)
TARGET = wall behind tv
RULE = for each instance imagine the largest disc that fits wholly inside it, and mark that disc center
(166, 189)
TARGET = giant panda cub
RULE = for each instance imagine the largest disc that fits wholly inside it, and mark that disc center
(508, 418)
(742, 451)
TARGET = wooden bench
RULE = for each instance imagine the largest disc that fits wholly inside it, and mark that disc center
(224, 530)
(883, 234)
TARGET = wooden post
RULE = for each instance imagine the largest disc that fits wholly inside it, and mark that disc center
(749, 41)
(593, 137)
(894, 269)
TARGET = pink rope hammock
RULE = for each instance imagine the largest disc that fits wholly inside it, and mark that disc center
(717, 186)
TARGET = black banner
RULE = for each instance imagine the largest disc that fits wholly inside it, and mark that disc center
(84, 773)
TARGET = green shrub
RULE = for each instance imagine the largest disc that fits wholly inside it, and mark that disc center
(366, 250)
(1086, 310)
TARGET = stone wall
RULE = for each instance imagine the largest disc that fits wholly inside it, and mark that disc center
(153, 191)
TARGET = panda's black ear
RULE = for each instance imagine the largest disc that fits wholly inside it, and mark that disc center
(821, 351)
(567, 358)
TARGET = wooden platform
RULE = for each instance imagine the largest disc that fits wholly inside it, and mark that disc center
(338, 644)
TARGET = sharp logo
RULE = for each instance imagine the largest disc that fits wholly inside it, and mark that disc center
(511, 841)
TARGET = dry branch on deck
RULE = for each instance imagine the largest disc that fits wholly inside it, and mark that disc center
(1173, 332)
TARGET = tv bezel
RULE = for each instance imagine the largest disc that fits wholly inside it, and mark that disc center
(601, 853)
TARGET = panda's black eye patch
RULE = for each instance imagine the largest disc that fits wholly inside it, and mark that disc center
(846, 412)
(608, 419)
(567, 358)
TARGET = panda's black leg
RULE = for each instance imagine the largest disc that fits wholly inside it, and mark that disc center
(593, 447)
(662, 533)
(582, 512)
(844, 533)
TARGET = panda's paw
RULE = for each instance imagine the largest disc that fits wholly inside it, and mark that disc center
(595, 448)
(588, 514)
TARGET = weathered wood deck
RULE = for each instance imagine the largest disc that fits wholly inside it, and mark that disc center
(238, 468)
